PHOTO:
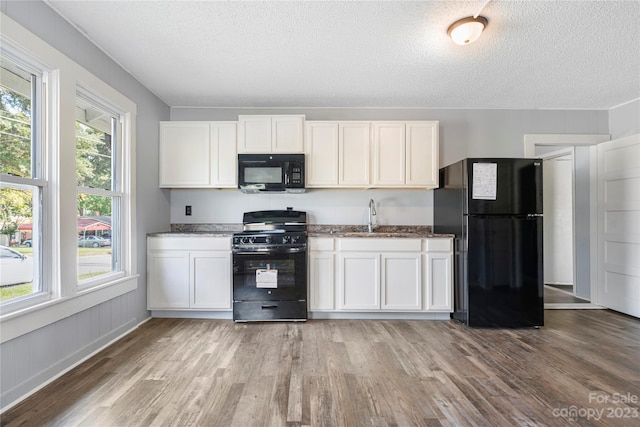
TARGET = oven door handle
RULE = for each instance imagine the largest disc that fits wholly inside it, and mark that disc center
(272, 251)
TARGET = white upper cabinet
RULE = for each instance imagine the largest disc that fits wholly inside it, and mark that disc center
(405, 154)
(224, 160)
(198, 154)
(321, 149)
(421, 145)
(271, 134)
(389, 154)
(184, 154)
(354, 154)
(394, 154)
(339, 154)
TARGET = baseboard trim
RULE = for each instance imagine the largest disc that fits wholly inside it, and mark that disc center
(378, 316)
(573, 306)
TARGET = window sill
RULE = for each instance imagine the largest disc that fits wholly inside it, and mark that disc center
(29, 319)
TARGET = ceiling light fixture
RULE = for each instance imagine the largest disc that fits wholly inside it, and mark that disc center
(467, 30)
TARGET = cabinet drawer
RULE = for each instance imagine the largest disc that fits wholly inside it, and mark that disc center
(320, 244)
(190, 243)
(438, 245)
(376, 244)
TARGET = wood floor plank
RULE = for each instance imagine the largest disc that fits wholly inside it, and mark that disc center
(183, 372)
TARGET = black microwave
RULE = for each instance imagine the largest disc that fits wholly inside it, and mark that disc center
(283, 173)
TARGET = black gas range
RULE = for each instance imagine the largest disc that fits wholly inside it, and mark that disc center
(270, 267)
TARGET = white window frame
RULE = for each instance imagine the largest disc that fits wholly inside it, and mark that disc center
(38, 182)
(118, 192)
(65, 298)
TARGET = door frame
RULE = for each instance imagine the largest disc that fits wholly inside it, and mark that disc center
(590, 140)
(568, 151)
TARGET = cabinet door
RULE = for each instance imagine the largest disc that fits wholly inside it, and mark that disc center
(287, 134)
(359, 281)
(422, 154)
(438, 281)
(388, 154)
(168, 280)
(354, 156)
(401, 281)
(210, 279)
(224, 155)
(184, 154)
(321, 148)
(254, 134)
(321, 281)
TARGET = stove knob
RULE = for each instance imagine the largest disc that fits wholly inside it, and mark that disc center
(294, 239)
(267, 239)
(245, 240)
(252, 239)
(286, 239)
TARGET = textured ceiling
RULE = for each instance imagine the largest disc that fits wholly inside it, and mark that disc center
(533, 54)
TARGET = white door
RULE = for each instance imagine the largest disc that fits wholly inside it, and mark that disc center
(438, 281)
(321, 148)
(224, 154)
(401, 281)
(287, 134)
(359, 281)
(210, 279)
(321, 282)
(184, 154)
(388, 154)
(619, 225)
(558, 220)
(422, 154)
(254, 134)
(168, 281)
(354, 156)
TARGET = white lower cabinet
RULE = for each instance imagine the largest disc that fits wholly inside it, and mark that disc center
(321, 276)
(438, 268)
(359, 281)
(401, 281)
(210, 279)
(168, 280)
(189, 273)
(380, 274)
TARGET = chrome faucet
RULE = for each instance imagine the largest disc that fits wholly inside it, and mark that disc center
(372, 212)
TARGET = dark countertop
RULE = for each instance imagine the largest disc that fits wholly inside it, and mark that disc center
(314, 230)
(382, 231)
(192, 234)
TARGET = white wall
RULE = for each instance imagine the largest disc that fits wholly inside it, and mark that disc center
(463, 133)
(32, 359)
(624, 120)
(394, 207)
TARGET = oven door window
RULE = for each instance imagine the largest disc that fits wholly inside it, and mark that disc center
(269, 277)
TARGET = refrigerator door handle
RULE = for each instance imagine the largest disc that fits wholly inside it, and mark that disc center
(534, 215)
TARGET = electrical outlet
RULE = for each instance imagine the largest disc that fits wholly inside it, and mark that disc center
(187, 210)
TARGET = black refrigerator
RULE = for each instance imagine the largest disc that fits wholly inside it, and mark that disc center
(493, 206)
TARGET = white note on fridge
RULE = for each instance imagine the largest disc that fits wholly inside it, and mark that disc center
(485, 181)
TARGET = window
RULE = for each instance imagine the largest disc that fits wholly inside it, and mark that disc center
(22, 181)
(65, 172)
(100, 195)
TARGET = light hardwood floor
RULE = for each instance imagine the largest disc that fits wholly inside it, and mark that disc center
(175, 372)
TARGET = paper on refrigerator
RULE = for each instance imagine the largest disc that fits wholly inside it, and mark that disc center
(485, 181)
